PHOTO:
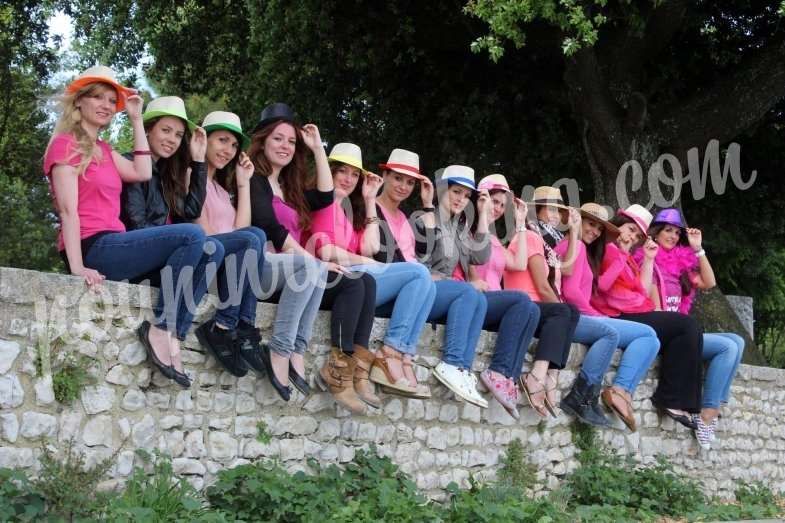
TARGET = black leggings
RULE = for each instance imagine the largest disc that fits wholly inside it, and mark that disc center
(352, 301)
(554, 333)
(681, 366)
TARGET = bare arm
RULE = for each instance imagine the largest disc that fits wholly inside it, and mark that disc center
(141, 168)
(520, 260)
(243, 173)
(340, 256)
(705, 278)
(371, 242)
(205, 224)
(312, 138)
(568, 262)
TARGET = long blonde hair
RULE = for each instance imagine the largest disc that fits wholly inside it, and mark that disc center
(70, 122)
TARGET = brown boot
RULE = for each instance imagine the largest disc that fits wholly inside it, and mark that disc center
(336, 376)
(364, 359)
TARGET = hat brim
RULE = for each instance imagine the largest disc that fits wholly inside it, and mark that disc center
(402, 170)
(463, 182)
(348, 161)
(267, 121)
(149, 115)
(549, 203)
(493, 187)
(609, 227)
(122, 91)
(245, 141)
(640, 223)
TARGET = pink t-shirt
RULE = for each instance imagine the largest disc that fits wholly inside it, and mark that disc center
(402, 232)
(522, 280)
(493, 270)
(619, 289)
(576, 288)
(218, 208)
(98, 204)
(330, 226)
(287, 216)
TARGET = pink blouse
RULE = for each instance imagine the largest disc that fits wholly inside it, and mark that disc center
(576, 288)
(218, 208)
(330, 226)
(287, 216)
(402, 232)
(98, 204)
(493, 270)
(619, 289)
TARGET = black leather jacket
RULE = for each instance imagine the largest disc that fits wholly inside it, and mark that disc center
(143, 203)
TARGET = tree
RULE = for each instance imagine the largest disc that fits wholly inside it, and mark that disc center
(26, 63)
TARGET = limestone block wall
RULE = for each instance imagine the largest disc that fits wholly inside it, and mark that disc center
(214, 424)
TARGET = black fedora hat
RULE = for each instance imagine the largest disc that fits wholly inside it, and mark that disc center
(274, 112)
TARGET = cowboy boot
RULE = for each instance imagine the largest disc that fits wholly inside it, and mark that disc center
(364, 360)
(336, 376)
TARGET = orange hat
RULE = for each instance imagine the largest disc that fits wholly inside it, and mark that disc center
(104, 75)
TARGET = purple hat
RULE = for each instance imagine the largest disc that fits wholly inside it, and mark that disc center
(669, 216)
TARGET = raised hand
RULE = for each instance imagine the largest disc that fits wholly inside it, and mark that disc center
(426, 192)
(650, 248)
(311, 136)
(133, 106)
(244, 170)
(371, 186)
(198, 145)
(484, 203)
(521, 210)
(574, 219)
(695, 238)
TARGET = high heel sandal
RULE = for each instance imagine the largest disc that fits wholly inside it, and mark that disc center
(422, 391)
(627, 417)
(380, 373)
(538, 407)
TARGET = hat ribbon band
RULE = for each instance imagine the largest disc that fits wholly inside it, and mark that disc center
(348, 160)
(403, 166)
(460, 179)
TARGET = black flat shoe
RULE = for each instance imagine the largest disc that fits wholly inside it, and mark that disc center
(182, 379)
(143, 332)
(685, 420)
(283, 390)
(298, 381)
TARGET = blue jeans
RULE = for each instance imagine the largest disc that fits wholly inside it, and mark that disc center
(239, 278)
(464, 309)
(605, 334)
(724, 352)
(182, 254)
(301, 281)
(515, 317)
(409, 285)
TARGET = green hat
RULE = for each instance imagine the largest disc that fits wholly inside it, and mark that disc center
(167, 106)
(230, 122)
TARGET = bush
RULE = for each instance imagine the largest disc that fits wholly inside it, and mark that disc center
(18, 501)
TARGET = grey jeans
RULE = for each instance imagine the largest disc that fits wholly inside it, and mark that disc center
(301, 281)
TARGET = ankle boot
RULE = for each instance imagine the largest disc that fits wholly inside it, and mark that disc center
(337, 376)
(364, 360)
(578, 402)
(594, 402)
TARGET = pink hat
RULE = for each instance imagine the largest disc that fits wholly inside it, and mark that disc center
(494, 182)
(639, 215)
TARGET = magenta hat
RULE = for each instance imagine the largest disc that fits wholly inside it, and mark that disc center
(669, 216)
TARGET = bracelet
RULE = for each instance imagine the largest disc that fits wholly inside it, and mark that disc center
(520, 228)
(143, 153)
(371, 219)
(429, 209)
(700, 253)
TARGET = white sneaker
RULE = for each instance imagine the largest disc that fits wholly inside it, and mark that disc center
(452, 378)
(471, 388)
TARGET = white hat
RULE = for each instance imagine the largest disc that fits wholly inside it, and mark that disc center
(228, 121)
(494, 182)
(459, 174)
(167, 106)
(404, 162)
(639, 215)
(347, 153)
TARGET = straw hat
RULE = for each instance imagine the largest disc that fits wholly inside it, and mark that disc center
(458, 174)
(167, 106)
(598, 213)
(404, 162)
(274, 112)
(550, 196)
(494, 182)
(347, 153)
(639, 215)
(104, 75)
(228, 121)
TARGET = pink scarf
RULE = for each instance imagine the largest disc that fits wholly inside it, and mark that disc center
(673, 262)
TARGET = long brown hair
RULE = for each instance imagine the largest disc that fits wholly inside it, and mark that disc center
(225, 177)
(595, 252)
(293, 179)
(356, 200)
(684, 278)
(172, 170)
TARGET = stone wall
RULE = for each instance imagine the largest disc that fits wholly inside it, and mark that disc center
(213, 425)
(743, 306)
